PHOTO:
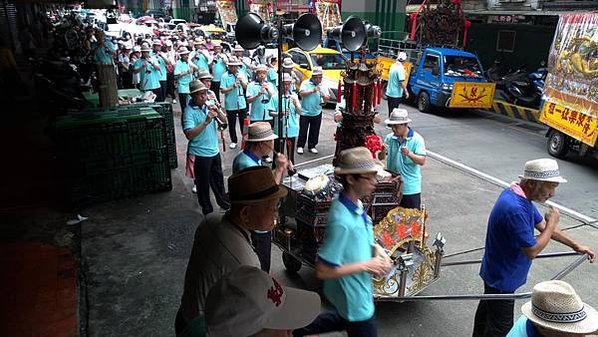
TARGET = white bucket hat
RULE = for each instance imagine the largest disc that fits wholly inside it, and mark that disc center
(556, 306)
(261, 67)
(402, 56)
(249, 300)
(238, 48)
(183, 51)
(196, 86)
(544, 169)
(146, 49)
(234, 61)
(288, 63)
(260, 132)
(317, 71)
(398, 116)
(286, 78)
(204, 74)
(355, 161)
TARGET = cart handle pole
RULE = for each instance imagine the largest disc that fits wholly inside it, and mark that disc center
(540, 256)
(570, 267)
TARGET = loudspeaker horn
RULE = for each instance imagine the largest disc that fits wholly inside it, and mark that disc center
(372, 30)
(251, 31)
(351, 33)
(306, 32)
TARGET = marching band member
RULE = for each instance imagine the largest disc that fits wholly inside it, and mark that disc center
(311, 111)
(183, 74)
(233, 84)
(291, 109)
(200, 55)
(217, 67)
(162, 60)
(149, 70)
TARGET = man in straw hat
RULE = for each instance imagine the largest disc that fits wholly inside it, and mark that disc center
(511, 245)
(260, 94)
(349, 256)
(249, 302)
(311, 111)
(288, 67)
(233, 85)
(291, 109)
(217, 67)
(201, 130)
(183, 74)
(238, 52)
(223, 243)
(260, 143)
(200, 55)
(555, 311)
(397, 84)
(149, 70)
(162, 61)
(405, 154)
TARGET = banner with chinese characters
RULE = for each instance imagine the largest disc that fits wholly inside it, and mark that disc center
(572, 80)
(472, 95)
(580, 126)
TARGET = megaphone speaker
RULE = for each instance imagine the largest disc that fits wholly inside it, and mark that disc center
(251, 31)
(306, 32)
(351, 34)
(372, 31)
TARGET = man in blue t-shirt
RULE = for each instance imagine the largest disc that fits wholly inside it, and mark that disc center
(311, 111)
(162, 60)
(397, 84)
(511, 245)
(349, 257)
(405, 154)
(149, 70)
(217, 67)
(233, 84)
(201, 131)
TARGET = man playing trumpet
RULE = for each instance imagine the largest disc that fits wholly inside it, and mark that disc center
(232, 85)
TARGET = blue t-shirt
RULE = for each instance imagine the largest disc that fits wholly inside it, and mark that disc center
(149, 76)
(400, 163)
(349, 239)
(206, 143)
(510, 228)
(523, 328)
(218, 69)
(290, 123)
(311, 105)
(259, 110)
(200, 60)
(182, 82)
(396, 75)
(244, 160)
(234, 96)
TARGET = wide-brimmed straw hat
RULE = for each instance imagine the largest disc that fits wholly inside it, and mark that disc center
(556, 306)
(196, 86)
(233, 61)
(355, 161)
(238, 48)
(204, 74)
(288, 63)
(199, 41)
(287, 77)
(261, 67)
(544, 169)
(252, 185)
(146, 49)
(183, 51)
(260, 132)
(317, 71)
(398, 116)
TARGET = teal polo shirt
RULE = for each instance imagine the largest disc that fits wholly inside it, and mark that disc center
(218, 69)
(272, 76)
(206, 143)
(149, 76)
(290, 123)
(182, 82)
(200, 60)
(260, 111)
(349, 239)
(162, 63)
(396, 75)
(397, 162)
(311, 105)
(244, 160)
(234, 97)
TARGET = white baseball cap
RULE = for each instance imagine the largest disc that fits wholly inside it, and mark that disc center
(402, 56)
(249, 300)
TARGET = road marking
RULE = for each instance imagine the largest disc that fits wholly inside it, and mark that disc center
(501, 183)
(303, 163)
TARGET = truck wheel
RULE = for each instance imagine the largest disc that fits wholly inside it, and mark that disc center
(558, 144)
(291, 264)
(423, 102)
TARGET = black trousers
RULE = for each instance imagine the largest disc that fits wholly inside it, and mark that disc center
(208, 173)
(170, 85)
(332, 321)
(393, 102)
(263, 248)
(183, 102)
(127, 79)
(494, 318)
(162, 96)
(312, 123)
(215, 87)
(232, 116)
(179, 323)
(411, 201)
(289, 147)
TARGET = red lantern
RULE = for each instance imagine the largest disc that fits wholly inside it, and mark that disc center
(339, 93)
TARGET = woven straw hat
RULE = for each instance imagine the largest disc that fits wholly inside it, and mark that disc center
(355, 161)
(204, 74)
(288, 63)
(196, 86)
(238, 48)
(286, 78)
(556, 306)
(317, 71)
(544, 169)
(253, 185)
(261, 67)
(183, 51)
(146, 49)
(234, 61)
(260, 132)
(398, 116)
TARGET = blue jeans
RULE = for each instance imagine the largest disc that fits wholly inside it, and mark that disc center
(332, 321)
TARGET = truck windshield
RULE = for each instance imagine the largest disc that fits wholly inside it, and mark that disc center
(328, 61)
(462, 66)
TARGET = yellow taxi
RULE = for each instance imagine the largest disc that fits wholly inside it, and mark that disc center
(331, 61)
(214, 33)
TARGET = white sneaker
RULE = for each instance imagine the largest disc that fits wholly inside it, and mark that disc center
(300, 150)
(233, 145)
(173, 101)
(194, 189)
(313, 150)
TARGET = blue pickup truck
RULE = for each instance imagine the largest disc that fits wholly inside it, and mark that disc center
(434, 74)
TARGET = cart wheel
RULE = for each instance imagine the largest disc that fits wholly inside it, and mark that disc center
(423, 102)
(290, 263)
(558, 144)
